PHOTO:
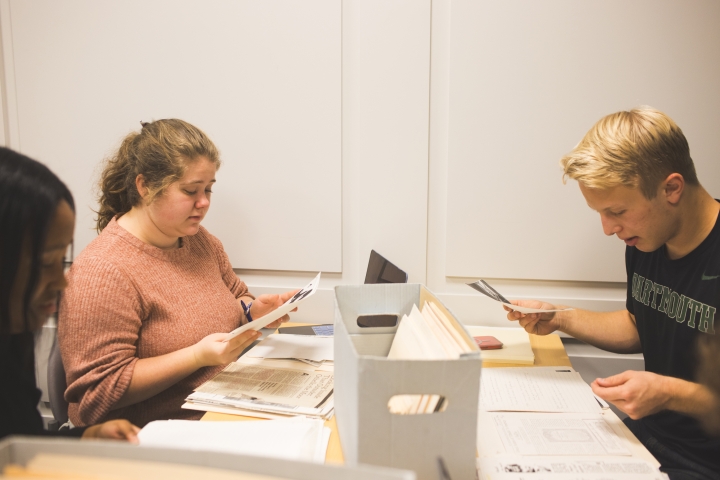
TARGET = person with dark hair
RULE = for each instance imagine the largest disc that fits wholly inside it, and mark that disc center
(38, 218)
(150, 300)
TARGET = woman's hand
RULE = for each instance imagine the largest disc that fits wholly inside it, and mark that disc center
(266, 303)
(213, 350)
(113, 430)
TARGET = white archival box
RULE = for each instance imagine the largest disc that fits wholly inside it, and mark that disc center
(365, 380)
(20, 450)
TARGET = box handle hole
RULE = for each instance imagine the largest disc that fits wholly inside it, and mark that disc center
(377, 320)
(416, 404)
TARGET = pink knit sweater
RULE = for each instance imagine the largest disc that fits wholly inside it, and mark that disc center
(127, 300)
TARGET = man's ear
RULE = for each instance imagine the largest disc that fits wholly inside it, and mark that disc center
(673, 188)
(141, 186)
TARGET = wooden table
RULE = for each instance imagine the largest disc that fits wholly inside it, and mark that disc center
(549, 352)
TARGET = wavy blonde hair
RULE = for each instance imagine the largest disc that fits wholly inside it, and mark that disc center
(160, 152)
(636, 148)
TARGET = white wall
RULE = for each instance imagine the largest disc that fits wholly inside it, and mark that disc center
(527, 80)
(400, 94)
(262, 79)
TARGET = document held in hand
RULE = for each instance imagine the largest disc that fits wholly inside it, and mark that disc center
(307, 291)
(483, 287)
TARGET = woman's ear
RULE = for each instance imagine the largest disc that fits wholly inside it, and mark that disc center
(141, 186)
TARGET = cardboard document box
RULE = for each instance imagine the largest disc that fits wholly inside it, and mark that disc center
(21, 450)
(365, 380)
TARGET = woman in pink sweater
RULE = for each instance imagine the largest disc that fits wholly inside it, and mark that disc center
(150, 300)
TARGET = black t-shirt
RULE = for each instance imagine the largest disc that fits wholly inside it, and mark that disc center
(675, 303)
(19, 395)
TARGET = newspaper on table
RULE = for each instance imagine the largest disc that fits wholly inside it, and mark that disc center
(268, 386)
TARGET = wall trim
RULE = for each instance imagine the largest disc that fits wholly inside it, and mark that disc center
(8, 97)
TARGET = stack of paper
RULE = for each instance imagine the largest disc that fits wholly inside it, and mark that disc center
(516, 347)
(426, 335)
(294, 439)
(312, 349)
(516, 435)
(270, 387)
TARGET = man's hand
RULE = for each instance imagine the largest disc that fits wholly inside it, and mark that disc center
(537, 323)
(266, 303)
(638, 394)
(113, 430)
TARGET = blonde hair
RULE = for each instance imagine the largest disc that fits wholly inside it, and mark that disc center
(639, 148)
(160, 153)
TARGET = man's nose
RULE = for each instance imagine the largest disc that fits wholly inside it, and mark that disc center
(609, 225)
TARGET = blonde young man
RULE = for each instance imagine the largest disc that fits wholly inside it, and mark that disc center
(634, 169)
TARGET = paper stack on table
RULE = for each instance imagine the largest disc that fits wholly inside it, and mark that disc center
(312, 349)
(517, 435)
(516, 347)
(426, 335)
(294, 439)
(260, 385)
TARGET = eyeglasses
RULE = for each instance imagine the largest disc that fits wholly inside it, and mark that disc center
(69, 256)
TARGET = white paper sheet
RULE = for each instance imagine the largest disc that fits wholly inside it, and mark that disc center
(307, 291)
(566, 468)
(558, 434)
(536, 389)
(294, 439)
(310, 347)
(483, 287)
(201, 407)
